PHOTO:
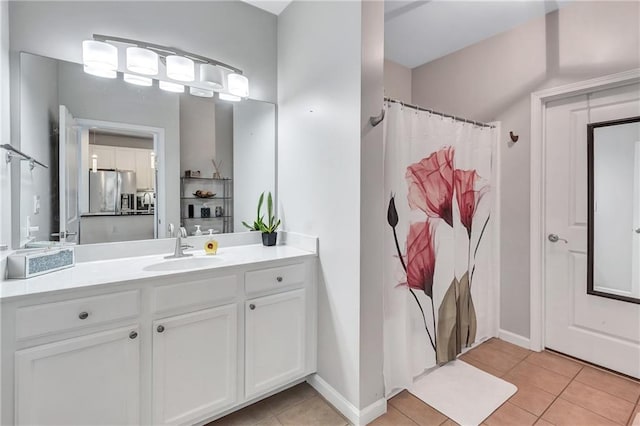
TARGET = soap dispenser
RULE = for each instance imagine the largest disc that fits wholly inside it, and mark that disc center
(211, 246)
(198, 231)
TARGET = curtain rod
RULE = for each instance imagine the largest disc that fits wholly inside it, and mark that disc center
(476, 123)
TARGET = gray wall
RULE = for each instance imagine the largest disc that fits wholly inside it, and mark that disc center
(493, 80)
(230, 31)
(319, 77)
(5, 128)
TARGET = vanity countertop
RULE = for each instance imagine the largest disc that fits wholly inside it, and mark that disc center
(103, 272)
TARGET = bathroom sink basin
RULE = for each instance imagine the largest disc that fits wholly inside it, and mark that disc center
(183, 263)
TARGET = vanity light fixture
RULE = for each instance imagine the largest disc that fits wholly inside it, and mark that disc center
(99, 58)
(203, 93)
(94, 163)
(180, 68)
(238, 85)
(138, 80)
(212, 76)
(142, 61)
(171, 87)
(228, 97)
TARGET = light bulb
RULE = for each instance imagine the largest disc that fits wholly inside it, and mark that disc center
(100, 72)
(142, 61)
(138, 80)
(98, 55)
(238, 85)
(171, 87)
(180, 68)
(212, 76)
(203, 93)
(228, 97)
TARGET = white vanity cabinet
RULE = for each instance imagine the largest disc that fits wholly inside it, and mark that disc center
(176, 349)
(194, 364)
(86, 380)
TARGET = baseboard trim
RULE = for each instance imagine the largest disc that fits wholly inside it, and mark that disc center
(514, 338)
(351, 412)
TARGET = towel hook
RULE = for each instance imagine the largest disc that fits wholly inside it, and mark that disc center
(514, 137)
(377, 120)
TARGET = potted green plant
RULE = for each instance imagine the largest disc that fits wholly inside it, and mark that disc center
(269, 234)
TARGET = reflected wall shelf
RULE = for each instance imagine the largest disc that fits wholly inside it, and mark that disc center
(220, 186)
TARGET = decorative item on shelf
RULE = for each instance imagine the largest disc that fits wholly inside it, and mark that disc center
(269, 234)
(192, 173)
(219, 212)
(205, 211)
(217, 174)
(204, 194)
(190, 211)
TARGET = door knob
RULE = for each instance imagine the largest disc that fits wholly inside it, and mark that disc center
(83, 315)
(160, 328)
(554, 238)
(252, 306)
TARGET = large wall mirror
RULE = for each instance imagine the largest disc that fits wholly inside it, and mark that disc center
(614, 209)
(126, 161)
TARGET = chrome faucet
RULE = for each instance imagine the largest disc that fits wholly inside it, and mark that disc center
(182, 233)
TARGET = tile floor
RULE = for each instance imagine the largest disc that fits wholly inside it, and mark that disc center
(552, 390)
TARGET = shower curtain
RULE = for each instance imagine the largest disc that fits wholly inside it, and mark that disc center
(438, 241)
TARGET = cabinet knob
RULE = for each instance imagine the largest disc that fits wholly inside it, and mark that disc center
(133, 335)
(83, 315)
(160, 328)
(279, 279)
(252, 306)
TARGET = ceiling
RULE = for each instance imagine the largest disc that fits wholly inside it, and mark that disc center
(417, 32)
(420, 31)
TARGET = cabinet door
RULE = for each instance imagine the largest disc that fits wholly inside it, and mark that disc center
(88, 380)
(275, 341)
(194, 365)
(143, 168)
(125, 158)
(106, 156)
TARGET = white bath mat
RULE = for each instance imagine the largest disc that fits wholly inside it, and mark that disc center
(462, 392)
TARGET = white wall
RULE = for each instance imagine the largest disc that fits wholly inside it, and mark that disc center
(397, 81)
(493, 80)
(254, 131)
(319, 78)
(5, 127)
(39, 111)
(614, 171)
(230, 31)
(197, 134)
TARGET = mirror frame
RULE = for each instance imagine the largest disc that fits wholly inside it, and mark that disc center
(591, 204)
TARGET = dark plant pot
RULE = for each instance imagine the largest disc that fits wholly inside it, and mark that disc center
(269, 239)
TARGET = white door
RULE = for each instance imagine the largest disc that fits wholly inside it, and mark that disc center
(194, 365)
(275, 341)
(68, 177)
(600, 330)
(88, 380)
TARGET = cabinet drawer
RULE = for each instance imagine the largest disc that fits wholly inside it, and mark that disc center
(38, 320)
(208, 291)
(274, 278)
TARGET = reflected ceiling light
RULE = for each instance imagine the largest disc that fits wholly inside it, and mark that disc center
(228, 97)
(203, 93)
(99, 56)
(212, 76)
(138, 80)
(142, 61)
(171, 87)
(100, 72)
(94, 162)
(180, 68)
(238, 85)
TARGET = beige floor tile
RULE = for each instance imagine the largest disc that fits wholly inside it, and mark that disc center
(493, 358)
(449, 422)
(290, 397)
(417, 410)
(543, 422)
(634, 419)
(393, 417)
(600, 402)
(270, 421)
(239, 418)
(555, 363)
(510, 415)
(530, 374)
(510, 348)
(611, 383)
(313, 411)
(484, 367)
(564, 413)
(532, 399)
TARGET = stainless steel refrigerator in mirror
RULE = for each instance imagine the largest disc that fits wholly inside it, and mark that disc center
(112, 191)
